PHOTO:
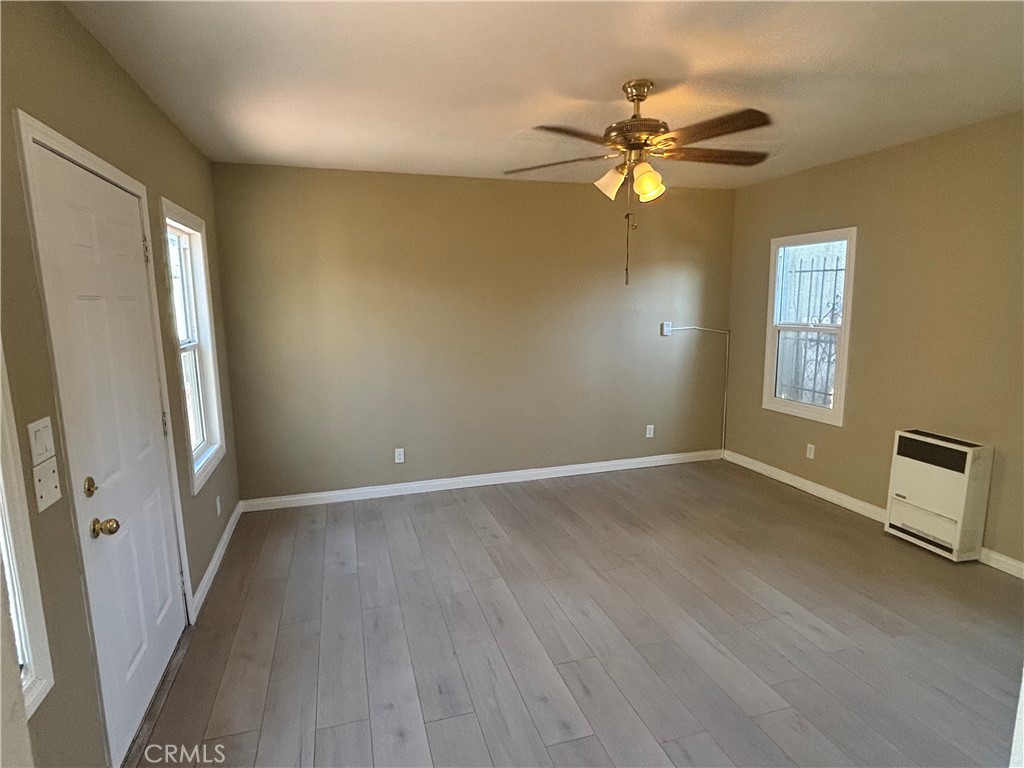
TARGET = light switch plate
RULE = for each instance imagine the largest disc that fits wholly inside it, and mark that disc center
(40, 440)
(47, 484)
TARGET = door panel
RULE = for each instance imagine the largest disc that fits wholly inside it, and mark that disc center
(157, 515)
(132, 359)
(105, 347)
(89, 329)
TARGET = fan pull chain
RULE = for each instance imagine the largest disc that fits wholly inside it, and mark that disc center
(630, 224)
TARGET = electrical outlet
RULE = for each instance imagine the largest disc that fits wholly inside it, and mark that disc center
(810, 450)
(399, 455)
(47, 483)
(650, 430)
(666, 329)
(218, 506)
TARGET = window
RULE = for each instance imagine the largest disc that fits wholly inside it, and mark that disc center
(19, 565)
(809, 324)
(193, 322)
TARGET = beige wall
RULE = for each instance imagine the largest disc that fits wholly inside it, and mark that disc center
(936, 333)
(55, 71)
(481, 325)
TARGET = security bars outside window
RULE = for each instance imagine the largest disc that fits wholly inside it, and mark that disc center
(193, 320)
(808, 324)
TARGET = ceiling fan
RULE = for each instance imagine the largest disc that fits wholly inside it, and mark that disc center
(637, 140)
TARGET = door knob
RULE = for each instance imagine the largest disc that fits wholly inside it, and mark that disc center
(90, 486)
(108, 527)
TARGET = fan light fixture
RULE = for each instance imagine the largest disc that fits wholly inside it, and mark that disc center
(654, 194)
(631, 142)
(647, 182)
(609, 183)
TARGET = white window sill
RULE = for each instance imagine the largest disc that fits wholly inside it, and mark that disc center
(35, 690)
(205, 464)
(832, 416)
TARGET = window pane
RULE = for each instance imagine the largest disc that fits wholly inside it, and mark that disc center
(810, 283)
(13, 601)
(193, 398)
(806, 370)
(181, 286)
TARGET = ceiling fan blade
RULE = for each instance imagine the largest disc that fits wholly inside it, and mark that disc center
(572, 132)
(734, 122)
(561, 162)
(709, 155)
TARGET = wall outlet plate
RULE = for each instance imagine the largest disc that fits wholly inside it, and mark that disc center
(650, 430)
(46, 484)
(40, 440)
(810, 450)
(399, 455)
(666, 329)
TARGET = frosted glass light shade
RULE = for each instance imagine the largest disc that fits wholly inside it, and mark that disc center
(609, 183)
(654, 194)
(645, 179)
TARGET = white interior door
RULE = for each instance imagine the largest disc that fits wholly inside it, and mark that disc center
(96, 288)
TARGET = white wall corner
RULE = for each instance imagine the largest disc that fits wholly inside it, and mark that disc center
(211, 570)
(988, 556)
(1017, 748)
(473, 481)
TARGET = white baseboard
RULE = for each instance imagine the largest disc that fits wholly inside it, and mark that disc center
(1003, 562)
(815, 489)
(211, 570)
(472, 481)
(988, 556)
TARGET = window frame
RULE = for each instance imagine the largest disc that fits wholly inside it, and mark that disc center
(205, 458)
(26, 604)
(769, 400)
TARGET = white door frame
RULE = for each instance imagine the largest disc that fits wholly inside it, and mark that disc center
(31, 131)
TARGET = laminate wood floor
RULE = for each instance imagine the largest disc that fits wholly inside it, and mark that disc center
(697, 614)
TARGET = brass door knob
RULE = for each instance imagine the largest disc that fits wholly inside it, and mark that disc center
(107, 527)
(90, 486)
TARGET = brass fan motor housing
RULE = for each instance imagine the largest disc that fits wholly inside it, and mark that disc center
(634, 132)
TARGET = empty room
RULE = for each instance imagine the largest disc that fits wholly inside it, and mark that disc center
(511, 384)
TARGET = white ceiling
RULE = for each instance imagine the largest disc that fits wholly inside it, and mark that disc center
(454, 88)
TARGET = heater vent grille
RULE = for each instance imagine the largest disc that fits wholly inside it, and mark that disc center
(931, 453)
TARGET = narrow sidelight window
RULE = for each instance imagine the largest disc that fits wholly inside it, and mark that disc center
(193, 321)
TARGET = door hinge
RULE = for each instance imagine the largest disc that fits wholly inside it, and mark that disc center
(163, 418)
(145, 255)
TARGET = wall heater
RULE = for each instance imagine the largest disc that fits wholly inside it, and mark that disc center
(938, 493)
